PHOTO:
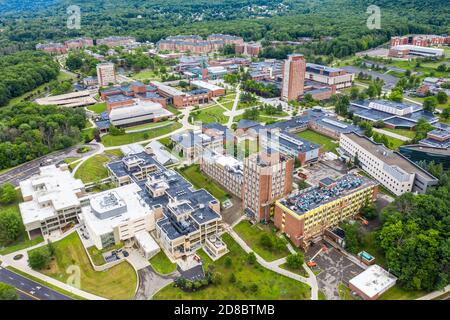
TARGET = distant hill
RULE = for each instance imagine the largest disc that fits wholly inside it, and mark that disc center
(252, 19)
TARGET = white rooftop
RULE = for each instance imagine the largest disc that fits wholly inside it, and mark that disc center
(206, 85)
(373, 281)
(51, 190)
(145, 240)
(138, 109)
(128, 195)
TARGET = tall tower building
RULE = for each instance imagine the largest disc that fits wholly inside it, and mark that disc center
(267, 177)
(106, 74)
(294, 69)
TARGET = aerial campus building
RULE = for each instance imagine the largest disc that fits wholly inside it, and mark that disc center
(390, 168)
(306, 214)
(184, 217)
(148, 198)
(106, 74)
(330, 76)
(372, 283)
(293, 83)
(434, 148)
(52, 200)
(393, 114)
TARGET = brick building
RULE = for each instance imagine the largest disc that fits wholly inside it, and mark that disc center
(293, 83)
(306, 214)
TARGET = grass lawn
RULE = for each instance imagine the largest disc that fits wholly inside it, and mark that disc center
(70, 160)
(206, 260)
(166, 142)
(403, 132)
(397, 293)
(394, 143)
(49, 285)
(345, 292)
(327, 143)
(214, 114)
(149, 125)
(117, 283)
(199, 180)
(115, 152)
(174, 110)
(146, 75)
(162, 264)
(300, 271)
(251, 234)
(98, 107)
(269, 285)
(228, 104)
(112, 141)
(93, 169)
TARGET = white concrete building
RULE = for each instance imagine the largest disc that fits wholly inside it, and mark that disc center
(52, 200)
(138, 113)
(390, 168)
(117, 215)
(372, 283)
(147, 245)
(106, 74)
(329, 76)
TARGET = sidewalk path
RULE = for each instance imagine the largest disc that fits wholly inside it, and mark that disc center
(275, 266)
(234, 112)
(391, 134)
(435, 294)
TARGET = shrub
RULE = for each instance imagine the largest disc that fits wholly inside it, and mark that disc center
(295, 261)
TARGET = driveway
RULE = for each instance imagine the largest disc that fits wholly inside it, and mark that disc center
(151, 282)
(28, 169)
(334, 268)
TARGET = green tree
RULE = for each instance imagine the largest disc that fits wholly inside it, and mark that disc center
(8, 292)
(442, 97)
(7, 194)
(353, 237)
(295, 260)
(39, 259)
(266, 241)
(10, 226)
(430, 103)
(396, 95)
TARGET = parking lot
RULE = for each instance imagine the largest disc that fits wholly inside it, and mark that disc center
(334, 268)
(324, 169)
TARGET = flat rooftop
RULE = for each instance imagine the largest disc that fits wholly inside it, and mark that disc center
(313, 198)
(373, 281)
(388, 156)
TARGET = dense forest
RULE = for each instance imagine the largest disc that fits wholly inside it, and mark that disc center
(28, 131)
(415, 236)
(343, 20)
(24, 71)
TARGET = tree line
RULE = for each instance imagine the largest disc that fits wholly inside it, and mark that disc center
(24, 71)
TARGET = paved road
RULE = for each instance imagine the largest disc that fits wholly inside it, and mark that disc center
(151, 282)
(26, 170)
(28, 289)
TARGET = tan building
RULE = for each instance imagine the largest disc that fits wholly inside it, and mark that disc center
(52, 200)
(294, 69)
(304, 215)
(106, 74)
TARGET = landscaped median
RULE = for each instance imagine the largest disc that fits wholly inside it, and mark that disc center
(237, 277)
(117, 283)
(129, 138)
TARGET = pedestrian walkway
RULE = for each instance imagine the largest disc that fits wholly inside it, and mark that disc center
(435, 294)
(275, 266)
